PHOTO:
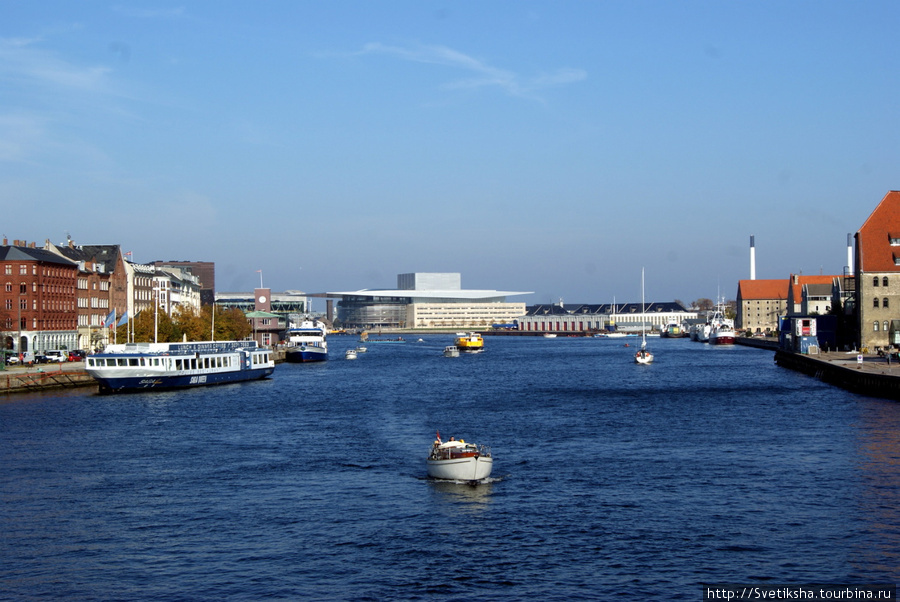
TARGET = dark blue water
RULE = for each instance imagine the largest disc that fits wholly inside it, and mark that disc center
(613, 480)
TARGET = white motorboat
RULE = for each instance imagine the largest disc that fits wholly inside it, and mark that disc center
(350, 354)
(451, 351)
(459, 461)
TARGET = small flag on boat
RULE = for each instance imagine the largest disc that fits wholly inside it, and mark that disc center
(438, 435)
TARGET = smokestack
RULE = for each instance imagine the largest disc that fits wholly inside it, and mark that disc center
(849, 254)
(752, 257)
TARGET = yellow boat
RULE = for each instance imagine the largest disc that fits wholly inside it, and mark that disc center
(470, 342)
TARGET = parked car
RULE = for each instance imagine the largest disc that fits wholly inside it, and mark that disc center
(56, 355)
(76, 355)
(26, 357)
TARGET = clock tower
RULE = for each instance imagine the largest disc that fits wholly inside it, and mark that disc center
(262, 299)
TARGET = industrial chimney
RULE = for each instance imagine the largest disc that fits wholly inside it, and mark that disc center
(752, 257)
(849, 254)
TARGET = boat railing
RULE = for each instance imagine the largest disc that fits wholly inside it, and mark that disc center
(469, 451)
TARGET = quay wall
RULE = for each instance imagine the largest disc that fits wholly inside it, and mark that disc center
(871, 377)
(771, 344)
(20, 381)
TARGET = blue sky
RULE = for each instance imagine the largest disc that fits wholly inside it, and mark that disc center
(531, 146)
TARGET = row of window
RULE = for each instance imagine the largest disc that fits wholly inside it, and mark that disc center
(884, 302)
(47, 288)
(884, 281)
(875, 326)
(44, 324)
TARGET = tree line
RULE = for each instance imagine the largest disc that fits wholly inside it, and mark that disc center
(186, 323)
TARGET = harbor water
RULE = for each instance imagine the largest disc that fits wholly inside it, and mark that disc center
(611, 480)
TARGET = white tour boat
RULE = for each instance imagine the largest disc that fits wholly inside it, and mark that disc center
(142, 366)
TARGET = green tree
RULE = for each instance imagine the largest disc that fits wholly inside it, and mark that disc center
(232, 325)
(193, 323)
(187, 323)
(149, 322)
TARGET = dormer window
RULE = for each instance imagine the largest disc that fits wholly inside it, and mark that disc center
(894, 239)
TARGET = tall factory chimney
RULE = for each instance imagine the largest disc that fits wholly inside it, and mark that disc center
(849, 254)
(752, 257)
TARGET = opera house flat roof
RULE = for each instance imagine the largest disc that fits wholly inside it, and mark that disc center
(425, 294)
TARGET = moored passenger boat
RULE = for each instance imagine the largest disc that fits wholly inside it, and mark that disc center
(307, 342)
(141, 366)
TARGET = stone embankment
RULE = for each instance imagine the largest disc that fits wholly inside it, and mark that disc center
(877, 376)
(24, 379)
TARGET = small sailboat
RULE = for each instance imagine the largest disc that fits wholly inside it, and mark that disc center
(643, 355)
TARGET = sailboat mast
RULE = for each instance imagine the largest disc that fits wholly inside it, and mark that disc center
(643, 314)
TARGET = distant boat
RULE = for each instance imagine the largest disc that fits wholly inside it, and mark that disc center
(470, 342)
(350, 354)
(721, 330)
(643, 355)
(451, 351)
(672, 330)
(549, 335)
(306, 342)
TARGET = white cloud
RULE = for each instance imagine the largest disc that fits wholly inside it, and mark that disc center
(486, 75)
(22, 62)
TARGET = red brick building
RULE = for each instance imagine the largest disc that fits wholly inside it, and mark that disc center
(37, 299)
